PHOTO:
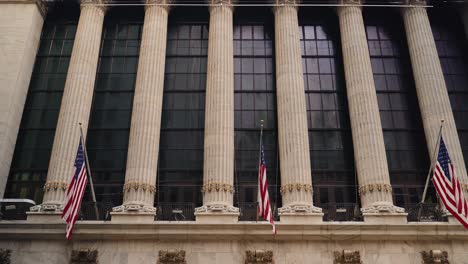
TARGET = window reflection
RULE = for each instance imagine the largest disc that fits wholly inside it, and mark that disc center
(328, 122)
(399, 112)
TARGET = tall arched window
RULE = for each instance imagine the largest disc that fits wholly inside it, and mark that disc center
(254, 100)
(407, 156)
(180, 172)
(331, 151)
(28, 170)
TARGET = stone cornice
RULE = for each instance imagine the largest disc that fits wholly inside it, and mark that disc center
(333, 231)
(98, 3)
(42, 6)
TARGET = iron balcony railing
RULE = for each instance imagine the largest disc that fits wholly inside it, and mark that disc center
(341, 212)
(427, 212)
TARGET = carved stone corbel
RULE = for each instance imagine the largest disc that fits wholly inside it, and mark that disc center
(259, 257)
(84, 256)
(347, 257)
(5, 256)
(171, 257)
(435, 256)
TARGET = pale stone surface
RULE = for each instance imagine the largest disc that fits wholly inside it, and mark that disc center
(20, 30)
(76, 104)
(296, 180)
(142, 160)
(434, 103)
(368, 141)
(218, 164)
(226, 251)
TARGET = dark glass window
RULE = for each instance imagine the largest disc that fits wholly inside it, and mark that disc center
(28, 171)
(331, 151)
(451, 45)
(254, 100)
(107, 140)
(399, 111)
(180, 173)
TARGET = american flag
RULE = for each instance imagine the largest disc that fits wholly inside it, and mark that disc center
(75, 191)
(264, 208)
(448, 187)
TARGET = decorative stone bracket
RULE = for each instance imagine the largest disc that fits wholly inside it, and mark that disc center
(5, 255)
(259, 257)
(171, 257)
(84, 256)
(347, 257)
(435, 256)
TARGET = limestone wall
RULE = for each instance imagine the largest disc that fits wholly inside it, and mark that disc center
(227, 252)
(20, 30)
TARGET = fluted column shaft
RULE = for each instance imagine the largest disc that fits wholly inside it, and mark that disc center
(76, 104)
(369, 149)
(431, 89)
(296, 181)
(218, 167)
(142, 160)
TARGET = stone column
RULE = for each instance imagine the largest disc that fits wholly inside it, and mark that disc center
(143, 148)
(20, 32)
(218, 165)
(75, 107)
(296, 180)
(369, 148)
(431, 89)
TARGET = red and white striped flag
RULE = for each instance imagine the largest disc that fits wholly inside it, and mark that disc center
(448, 187)
(264, 207)
(75, 191)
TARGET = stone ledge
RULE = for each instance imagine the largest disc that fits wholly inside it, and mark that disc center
(355, 231)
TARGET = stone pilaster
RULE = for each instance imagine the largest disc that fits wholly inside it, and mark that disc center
(218, 166)
(369, 149)
(143, 148)
(76, 105)
(20, 31)
(296, 180)
(431, 89)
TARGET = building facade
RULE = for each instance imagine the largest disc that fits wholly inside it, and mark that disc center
(171, 97)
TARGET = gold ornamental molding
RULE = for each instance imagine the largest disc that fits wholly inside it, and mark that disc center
(55, 185)
(295, 186)
(216, 187)
(139, 185)
(464, 186)
(378, 187)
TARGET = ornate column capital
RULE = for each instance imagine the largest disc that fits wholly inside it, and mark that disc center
(98, 3)
(162, 3)
(219, 3)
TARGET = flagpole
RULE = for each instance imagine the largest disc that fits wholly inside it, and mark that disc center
(259, 162)
(89, 173)
(433, 159)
